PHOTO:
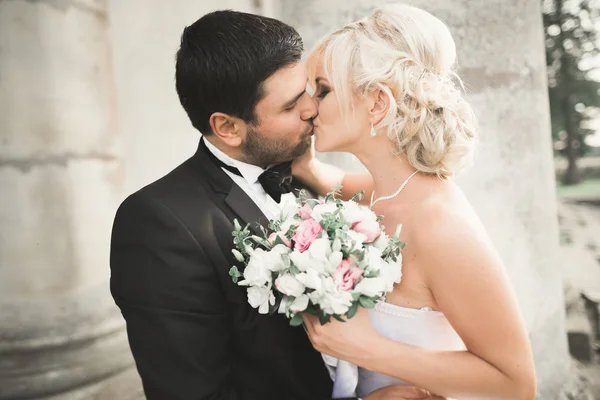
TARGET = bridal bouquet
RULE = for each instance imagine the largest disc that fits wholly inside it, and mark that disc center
(324, 257)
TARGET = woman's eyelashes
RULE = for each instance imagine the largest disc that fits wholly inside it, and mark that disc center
(322, 92)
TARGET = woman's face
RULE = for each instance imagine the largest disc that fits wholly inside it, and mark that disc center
(335, 132)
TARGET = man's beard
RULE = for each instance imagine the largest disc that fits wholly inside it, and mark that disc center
(263, 152)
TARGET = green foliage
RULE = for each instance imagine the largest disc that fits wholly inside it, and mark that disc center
(571, 44)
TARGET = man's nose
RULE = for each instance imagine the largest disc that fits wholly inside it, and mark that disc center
(310, 110)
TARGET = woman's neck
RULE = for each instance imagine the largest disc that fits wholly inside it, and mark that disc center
(388, 170)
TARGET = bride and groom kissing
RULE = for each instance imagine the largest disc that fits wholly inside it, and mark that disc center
(384, 89)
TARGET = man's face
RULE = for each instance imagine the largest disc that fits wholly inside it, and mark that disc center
(285, 116)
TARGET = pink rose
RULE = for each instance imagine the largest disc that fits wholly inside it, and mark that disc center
(285, 240)
(306, 233)
(345, 275)
(305, 211)
(369, 228)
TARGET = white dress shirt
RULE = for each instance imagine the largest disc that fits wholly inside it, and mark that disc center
(248, 182)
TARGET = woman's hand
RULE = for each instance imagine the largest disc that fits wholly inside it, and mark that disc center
(350, 340)
(303, 166)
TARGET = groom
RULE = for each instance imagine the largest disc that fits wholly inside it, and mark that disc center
(191, 330)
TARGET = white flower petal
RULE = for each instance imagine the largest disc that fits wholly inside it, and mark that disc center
(299, 304)
(289, 285)
(310, 279)
(258, 297)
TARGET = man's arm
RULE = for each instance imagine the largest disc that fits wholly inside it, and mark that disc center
(174, 309)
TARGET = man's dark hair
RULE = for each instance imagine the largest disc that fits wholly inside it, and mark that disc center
(224, 59)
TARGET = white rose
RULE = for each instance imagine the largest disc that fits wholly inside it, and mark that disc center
(335, 259)
(336, 302)
(393, 271)
(261, 297)
(374, 260)
(272, 258)
(382, 241)
(314, 297)
(372, 286)
(320, 209)
(289, 206)
(287, 224)
(299, 304)
(320, 250)
(354, 212)
(357, 239)
(256, 272)
(302, 261)
(310, 279)
(328, 284)
(337, 243)
(289, 285)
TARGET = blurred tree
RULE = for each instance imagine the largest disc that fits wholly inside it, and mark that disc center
(571, 47)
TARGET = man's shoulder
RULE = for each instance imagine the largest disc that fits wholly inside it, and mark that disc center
(179, 187)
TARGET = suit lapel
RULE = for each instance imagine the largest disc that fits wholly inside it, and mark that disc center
(235, 198)
(249, 213)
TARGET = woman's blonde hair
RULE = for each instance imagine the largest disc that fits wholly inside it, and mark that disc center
(410, 55)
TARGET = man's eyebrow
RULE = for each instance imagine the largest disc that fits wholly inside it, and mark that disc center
(295, 99)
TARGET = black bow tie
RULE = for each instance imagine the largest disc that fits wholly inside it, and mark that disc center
(275, 181)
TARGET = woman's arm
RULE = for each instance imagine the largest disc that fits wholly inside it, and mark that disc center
(322, 178)
(467, 278)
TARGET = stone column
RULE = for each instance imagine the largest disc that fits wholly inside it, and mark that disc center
(501, 57)
(60, 182)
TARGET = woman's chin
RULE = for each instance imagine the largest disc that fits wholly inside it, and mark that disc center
(322, 147)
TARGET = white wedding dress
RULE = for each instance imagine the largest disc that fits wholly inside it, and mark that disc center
(417, 327)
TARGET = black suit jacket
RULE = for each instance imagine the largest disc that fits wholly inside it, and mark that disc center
(191, 330)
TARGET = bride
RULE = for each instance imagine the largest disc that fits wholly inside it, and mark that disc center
(386, 93)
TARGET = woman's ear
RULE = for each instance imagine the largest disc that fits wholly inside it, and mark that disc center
(227, 128)
(380, 104)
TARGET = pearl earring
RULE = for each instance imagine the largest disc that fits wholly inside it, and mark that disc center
(373, 132)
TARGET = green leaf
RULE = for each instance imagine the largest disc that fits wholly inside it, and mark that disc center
(274, 225)
(311, 310)
(277, 241)
(286, 260)
(291, 232)
(373, 274)
(324, 318)
(275, 307)
(238, 256)
(235, 274)
(338, 318)
(352, 311)
(366, 302)
(312, 203)
(297, 320)
(236, 225)
(358, 197)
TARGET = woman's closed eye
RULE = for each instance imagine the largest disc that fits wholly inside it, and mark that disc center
(322, 93)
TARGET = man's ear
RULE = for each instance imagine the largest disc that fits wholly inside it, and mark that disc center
(380, 104)
(227, 128)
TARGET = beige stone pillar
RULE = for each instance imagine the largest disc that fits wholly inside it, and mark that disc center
(60, 181)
